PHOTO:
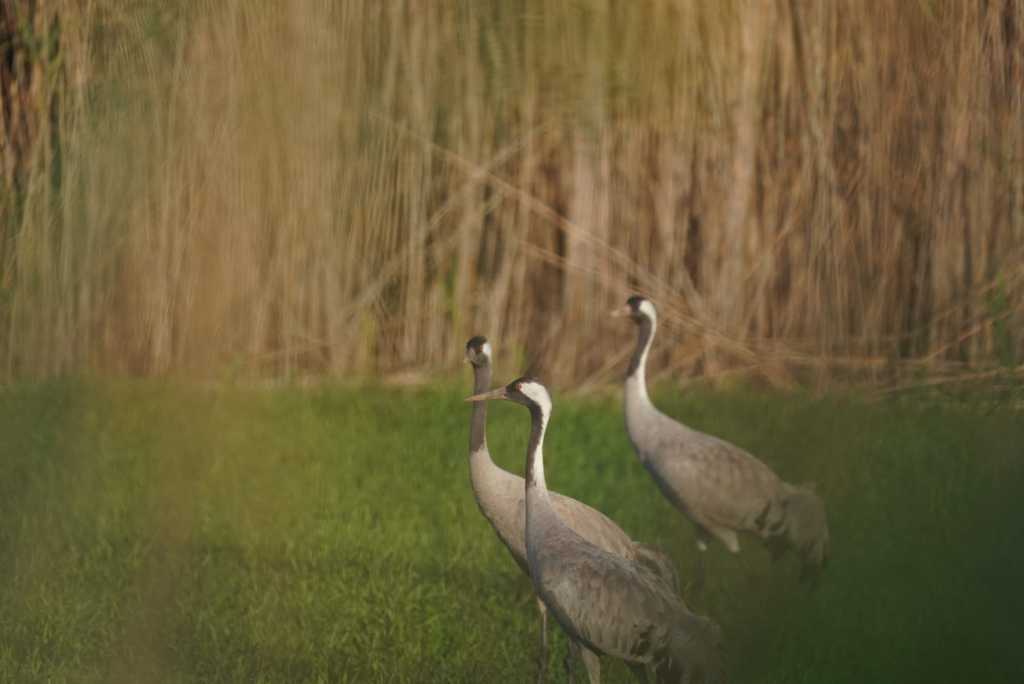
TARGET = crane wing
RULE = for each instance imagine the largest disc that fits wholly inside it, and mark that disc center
(719, 484)
(612, 605)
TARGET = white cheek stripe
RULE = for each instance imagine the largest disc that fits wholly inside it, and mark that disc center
(537, 393)
(648, 309)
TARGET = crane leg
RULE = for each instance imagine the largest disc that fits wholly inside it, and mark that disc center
(570, 655)
(697, 586)
(698, 575)
(639, 672)
(542, 658)
(674, 673)
(591, 661)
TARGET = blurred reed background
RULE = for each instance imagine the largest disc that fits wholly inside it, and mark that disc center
(825, 190)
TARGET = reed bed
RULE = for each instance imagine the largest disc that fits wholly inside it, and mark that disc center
(825, 190)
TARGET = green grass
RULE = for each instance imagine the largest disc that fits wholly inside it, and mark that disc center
(164, 532)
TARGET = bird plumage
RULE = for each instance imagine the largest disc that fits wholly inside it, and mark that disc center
(722, 488)
(614, 606)
(501, 494)
(501, 498)
(608, 603)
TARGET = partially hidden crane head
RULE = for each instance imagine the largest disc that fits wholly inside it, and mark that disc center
(696, 651)
(526, 390)
(478, 351)
(638, 308)
(807, 529)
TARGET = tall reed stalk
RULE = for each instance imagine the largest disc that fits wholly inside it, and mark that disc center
(354, 188)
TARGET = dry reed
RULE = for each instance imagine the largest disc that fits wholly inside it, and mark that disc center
(355, 188)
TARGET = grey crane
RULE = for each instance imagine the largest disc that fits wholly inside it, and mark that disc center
(501, 498)
(720, 487)
(606, 603)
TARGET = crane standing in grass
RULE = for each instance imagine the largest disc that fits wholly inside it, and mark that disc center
(720, 487)
(501, 497)
(607, 603)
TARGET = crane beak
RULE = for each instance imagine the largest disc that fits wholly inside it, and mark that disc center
(499, 393)
(620, 312)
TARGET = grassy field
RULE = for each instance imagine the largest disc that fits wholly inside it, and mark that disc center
(166, 532)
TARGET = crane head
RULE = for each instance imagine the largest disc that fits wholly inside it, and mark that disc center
(638, 308)
(695, 651)
(526, 390)
(478, 351)
(807, 529)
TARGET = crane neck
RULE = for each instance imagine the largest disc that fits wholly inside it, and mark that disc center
(636, 375)
(535, 450)
(478, 421)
